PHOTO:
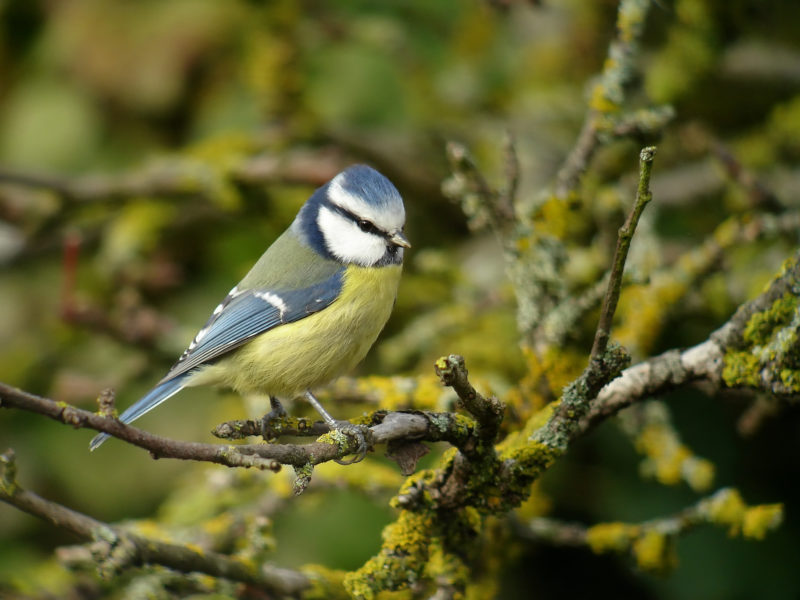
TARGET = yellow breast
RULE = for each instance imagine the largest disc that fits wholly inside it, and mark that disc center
(302, 355)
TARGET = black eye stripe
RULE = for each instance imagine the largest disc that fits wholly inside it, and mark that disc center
(363, 224)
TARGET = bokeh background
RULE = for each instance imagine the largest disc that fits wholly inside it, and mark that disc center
(150, 151)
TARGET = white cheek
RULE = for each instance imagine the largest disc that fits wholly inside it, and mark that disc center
(347, 242)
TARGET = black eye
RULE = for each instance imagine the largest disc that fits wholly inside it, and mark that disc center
(366, 226)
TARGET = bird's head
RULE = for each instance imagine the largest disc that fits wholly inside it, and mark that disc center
(356, 218)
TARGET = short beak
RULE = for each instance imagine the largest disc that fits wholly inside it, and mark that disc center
(398, 239)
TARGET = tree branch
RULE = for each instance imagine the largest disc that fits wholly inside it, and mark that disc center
(385, 427)
(704, 361)
(117, 549)
(652, 542)
(488, 411)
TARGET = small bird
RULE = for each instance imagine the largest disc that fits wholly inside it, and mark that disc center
(309, 309)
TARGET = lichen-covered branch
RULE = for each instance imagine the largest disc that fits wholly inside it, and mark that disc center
(733, 355)
(666, 458)
(488, 411)
(116, 549)
(652, 543)
(385, 427)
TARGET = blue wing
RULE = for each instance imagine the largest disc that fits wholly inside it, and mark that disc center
(243, 315)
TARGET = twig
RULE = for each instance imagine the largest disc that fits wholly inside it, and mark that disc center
(117, 549)
(608, 94)
(751, 420)
(643, 196)
(480, 201)
(759, 194)
(605, 362)
(578, 159)
(488, 411)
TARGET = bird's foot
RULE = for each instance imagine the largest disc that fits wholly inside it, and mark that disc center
(359, 433)
(276, 414)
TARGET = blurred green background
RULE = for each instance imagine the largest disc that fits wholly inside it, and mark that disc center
(205, 124)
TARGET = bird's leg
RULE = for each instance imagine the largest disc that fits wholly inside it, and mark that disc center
(277, 412)
(345, 427)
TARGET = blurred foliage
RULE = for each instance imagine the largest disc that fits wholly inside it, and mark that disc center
(169, 118)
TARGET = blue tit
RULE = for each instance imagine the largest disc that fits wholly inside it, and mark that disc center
(310, 308)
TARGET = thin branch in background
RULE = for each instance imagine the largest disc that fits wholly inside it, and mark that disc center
(132, 324)
(508, 196)
(608, 95)
(643, 197)
(71, 254)
(577, 161)
(480, 202)
(183, 177)
(761, 197)
(762, 408)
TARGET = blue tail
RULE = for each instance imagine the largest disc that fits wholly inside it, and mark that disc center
(153, 398)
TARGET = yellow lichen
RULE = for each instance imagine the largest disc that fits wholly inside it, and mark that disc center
(741, 369)
(557, 366)
(326, 584)
(698, 473)
(446, 566)
(762, 325)
(727, 508)
(529, 461)
(758, 520)
(428, 392)
(667, 457)
(629, 20)
(218, 525)
(555, 217)
(644, 309)
(599, 99)
(151, 529)
(369, 477)
(611, 537)
(655, 552)
(401, 561)
(536, 505)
